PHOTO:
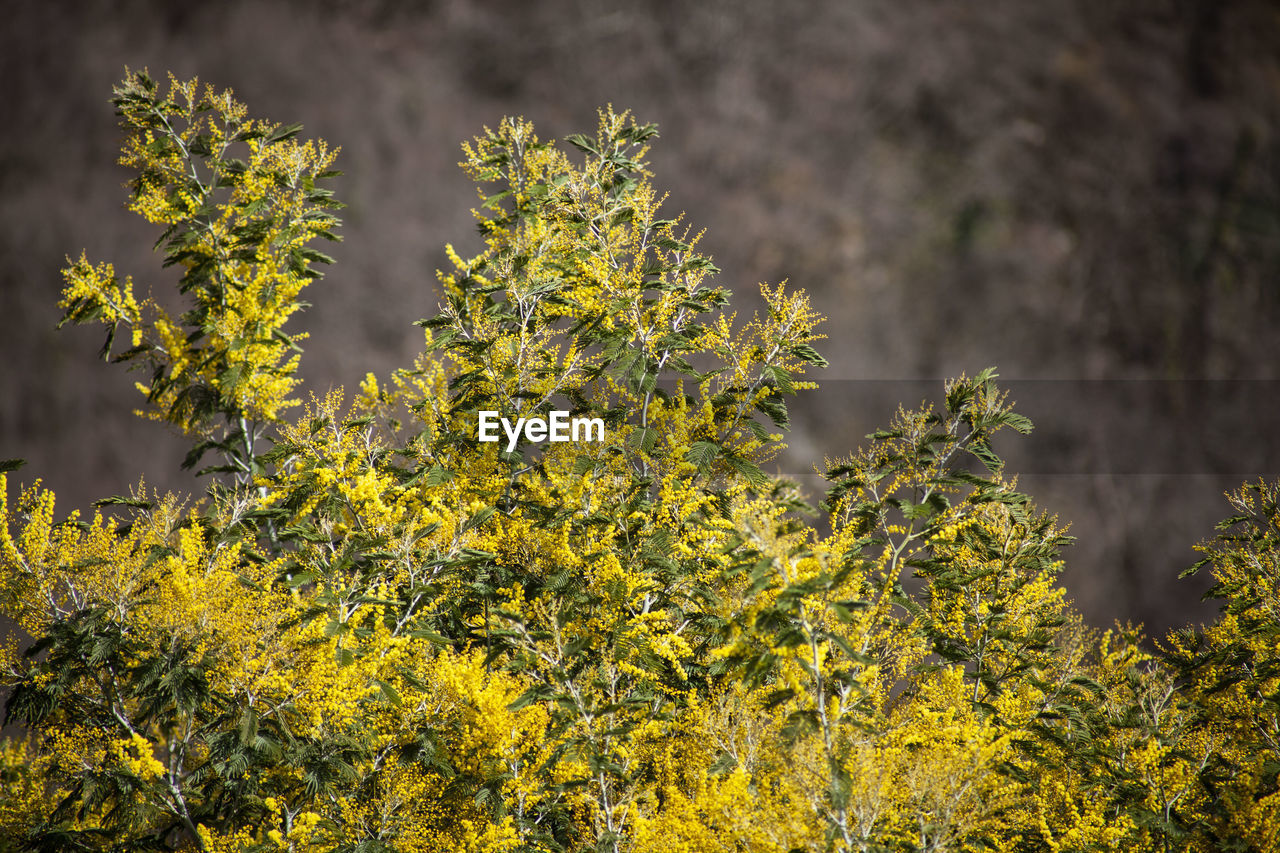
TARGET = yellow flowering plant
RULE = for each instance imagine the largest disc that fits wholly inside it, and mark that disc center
(383, 630)
(240, 200)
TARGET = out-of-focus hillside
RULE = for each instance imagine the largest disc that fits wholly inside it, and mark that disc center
(1086, 195)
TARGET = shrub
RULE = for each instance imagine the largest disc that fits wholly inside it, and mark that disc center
(377, 632)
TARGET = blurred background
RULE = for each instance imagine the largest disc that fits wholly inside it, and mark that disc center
(1085, 195)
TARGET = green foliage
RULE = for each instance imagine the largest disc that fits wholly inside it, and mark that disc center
(377, 632)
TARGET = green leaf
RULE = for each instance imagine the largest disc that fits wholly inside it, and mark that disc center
(701, 454)
(809, 354)
(1017, 422)
(747, 469)
(312, 255)
(643, 439)
(118, 500)
(986, 456)
(437, 476)
(776, 409)
(799, 723)
(478, 519)
(583, 144)
(286, 340)
(248, 728)
(723, 764)
(778, 378)
(283, 132)
(389, 693)
(492, 202)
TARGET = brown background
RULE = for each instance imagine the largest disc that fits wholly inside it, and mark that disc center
(1086, 195)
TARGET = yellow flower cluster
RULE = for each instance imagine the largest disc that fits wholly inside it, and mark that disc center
(240, 229)
(97, 287)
